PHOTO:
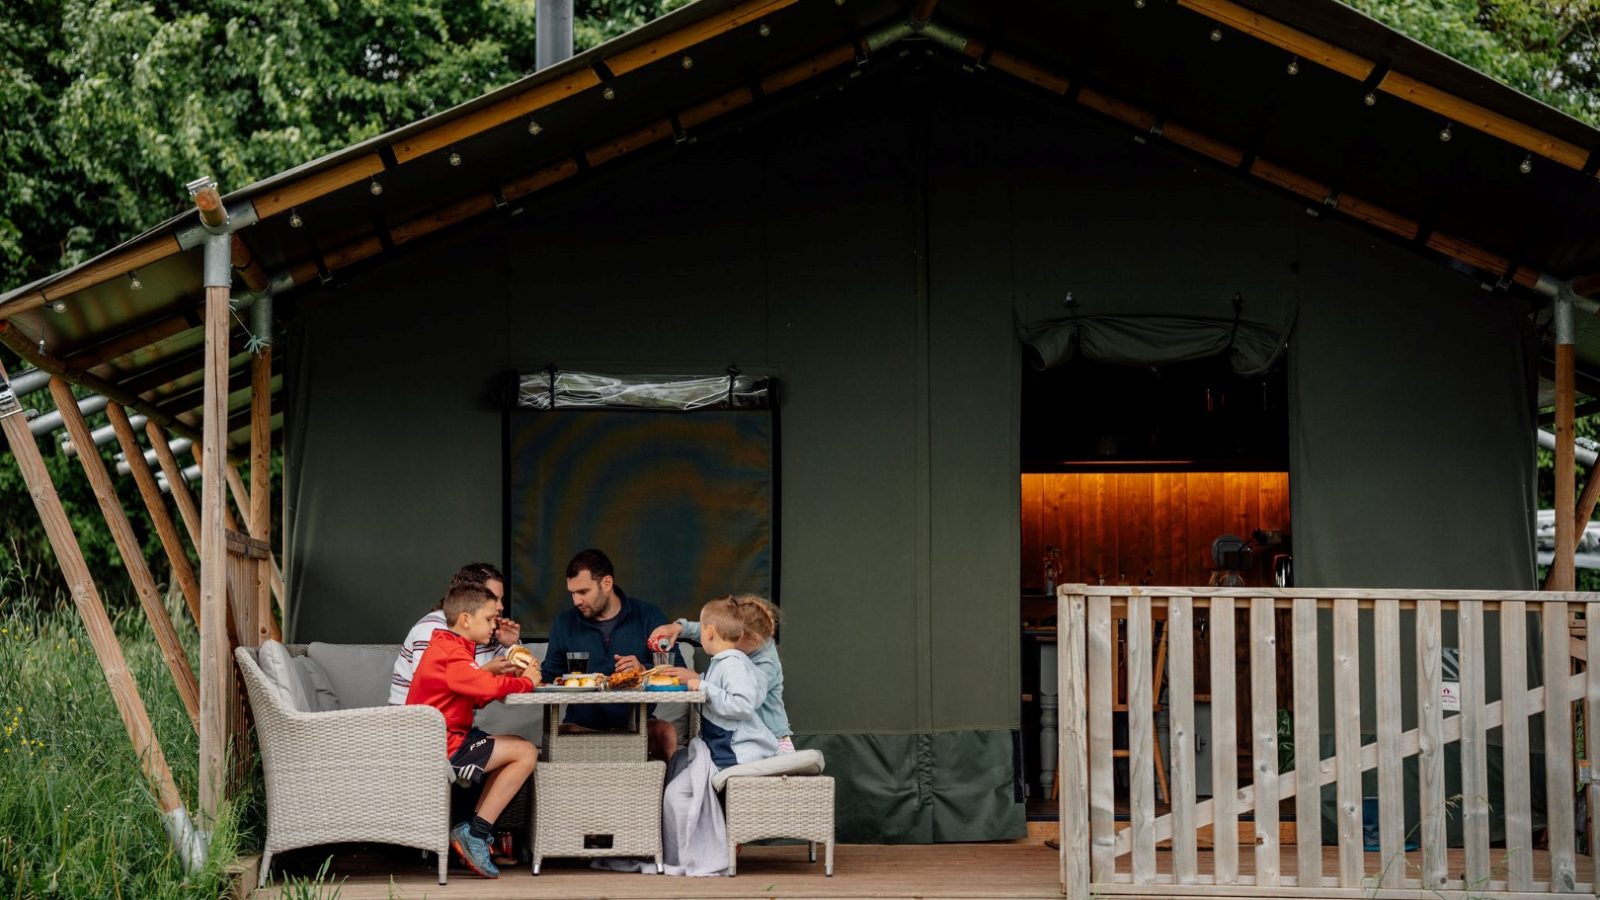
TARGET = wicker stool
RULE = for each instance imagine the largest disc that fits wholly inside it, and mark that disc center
(597, 809)
(780, 806)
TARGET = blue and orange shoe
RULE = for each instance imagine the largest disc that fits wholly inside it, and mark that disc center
(473, 851)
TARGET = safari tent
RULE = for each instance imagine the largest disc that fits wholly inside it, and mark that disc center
(958, 245)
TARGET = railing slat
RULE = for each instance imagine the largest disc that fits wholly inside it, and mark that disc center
(1264, 749)
(1307, 745)
(1073, 775)
(1474, 749)
(1430, 763)
(1558, 750)
(1513, 701)
(1141, 731)
(1224, 744)
(1180, 674)
(1102, 788)
(1591, 716)
(1391, 783)
(1347, 737)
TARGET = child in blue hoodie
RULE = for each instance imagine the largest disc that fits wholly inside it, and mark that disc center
(760, 624)
(730, 723)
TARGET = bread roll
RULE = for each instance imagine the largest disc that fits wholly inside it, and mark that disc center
(521, 657)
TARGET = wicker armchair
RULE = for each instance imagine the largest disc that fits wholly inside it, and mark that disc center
(374, 774)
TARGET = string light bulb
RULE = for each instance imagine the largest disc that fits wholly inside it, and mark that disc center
(294, 219)
(609, 93)
(1216, 35)
(375, 188)
(134, 283)
(455, 158)
(1293, 68)
(764, 30)
(59, 306)
(687, 62)
(1526, 165)
(534, 127)
(1138, 4)
(1371, 99)
(1444, 133)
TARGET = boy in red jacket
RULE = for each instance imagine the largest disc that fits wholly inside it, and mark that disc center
(448, 679)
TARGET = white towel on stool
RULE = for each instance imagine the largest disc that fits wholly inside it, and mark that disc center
(694, 833)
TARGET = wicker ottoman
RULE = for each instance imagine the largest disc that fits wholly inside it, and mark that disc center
(780, 806)
(597, 809)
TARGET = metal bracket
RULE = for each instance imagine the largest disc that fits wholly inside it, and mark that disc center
(8, 400)
(240, 215)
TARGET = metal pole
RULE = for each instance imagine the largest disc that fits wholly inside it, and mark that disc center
(552, 32)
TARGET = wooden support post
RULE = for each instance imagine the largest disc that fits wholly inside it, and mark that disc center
(177, 556)
(216, 664)
(175, 483)
(144, 583)
(241, 497)
(1563, 576)
(124, 693)
(261, 484)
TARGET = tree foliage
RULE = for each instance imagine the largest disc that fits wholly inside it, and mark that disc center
(1548, 49)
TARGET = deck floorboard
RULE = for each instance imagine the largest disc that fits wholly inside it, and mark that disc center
(1022, 869)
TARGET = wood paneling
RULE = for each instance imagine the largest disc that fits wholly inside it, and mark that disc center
(1154, 527)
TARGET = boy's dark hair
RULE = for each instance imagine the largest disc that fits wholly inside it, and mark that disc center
(465, 598)
(596, 563)
(478, 573)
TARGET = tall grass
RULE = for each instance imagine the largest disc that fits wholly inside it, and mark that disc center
(77, 818)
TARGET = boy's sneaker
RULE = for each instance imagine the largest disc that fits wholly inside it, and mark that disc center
(473, 851)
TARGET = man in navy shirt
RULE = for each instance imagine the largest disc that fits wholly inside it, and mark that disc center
(614, 630)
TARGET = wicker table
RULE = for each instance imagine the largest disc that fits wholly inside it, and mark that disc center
(591, 794)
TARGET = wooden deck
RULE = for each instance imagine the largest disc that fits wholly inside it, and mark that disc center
(1021, 869)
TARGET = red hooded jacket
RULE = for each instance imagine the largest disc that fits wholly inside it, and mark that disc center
(449, 680)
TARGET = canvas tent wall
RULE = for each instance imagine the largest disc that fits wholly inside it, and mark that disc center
(874, 251)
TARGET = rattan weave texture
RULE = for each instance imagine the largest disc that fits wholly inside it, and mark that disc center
(377, 774)
(619, 799)
(779, 806)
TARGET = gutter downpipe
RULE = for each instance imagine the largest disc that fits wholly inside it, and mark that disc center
(552, 32)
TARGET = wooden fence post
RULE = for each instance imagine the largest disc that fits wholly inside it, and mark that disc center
(1074, 773)
(144, 584)
(124, 693)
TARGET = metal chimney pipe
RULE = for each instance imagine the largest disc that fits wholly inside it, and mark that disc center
(552, 32)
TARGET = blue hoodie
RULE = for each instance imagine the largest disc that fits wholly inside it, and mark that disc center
(572, 631)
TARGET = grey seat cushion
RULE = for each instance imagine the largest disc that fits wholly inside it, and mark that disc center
(281, 673)
(801, 762)
(359, 673)
(316, 685)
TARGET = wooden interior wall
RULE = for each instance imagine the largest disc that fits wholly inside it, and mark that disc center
(1152, 527)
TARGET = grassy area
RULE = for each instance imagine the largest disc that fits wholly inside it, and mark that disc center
(76, 816)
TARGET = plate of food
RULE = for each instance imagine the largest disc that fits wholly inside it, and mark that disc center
(573, 682)
(663, 682)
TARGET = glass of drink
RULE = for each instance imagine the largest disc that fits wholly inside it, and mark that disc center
(577, 661)
(667, 657)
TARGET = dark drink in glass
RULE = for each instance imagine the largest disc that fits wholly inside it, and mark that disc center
(577, 662)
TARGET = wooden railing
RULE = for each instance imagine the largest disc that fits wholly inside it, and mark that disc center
(1131, 849)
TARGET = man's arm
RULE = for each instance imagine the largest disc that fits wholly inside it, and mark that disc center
(554, 663)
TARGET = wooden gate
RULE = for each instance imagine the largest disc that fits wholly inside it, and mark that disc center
(1132, 849)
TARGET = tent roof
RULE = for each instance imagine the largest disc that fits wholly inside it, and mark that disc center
(1210, 76)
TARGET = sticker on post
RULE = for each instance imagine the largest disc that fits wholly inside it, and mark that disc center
(1450, 696)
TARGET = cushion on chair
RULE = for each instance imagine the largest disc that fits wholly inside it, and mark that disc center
(314, 681)
(801, 762)
(281, 674)
(359, 673)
